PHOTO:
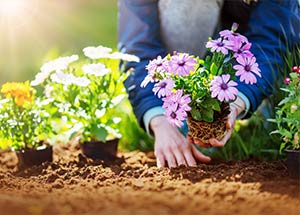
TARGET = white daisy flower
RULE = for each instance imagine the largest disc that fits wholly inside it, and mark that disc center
(62, 78)
(124, 57)
(100, 113)
(97, 69)
(81, 81)
(61, 63)
(93, 52)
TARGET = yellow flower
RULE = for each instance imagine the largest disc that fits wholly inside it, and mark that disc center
(21, 92)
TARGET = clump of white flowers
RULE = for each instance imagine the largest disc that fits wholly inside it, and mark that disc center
(87, 91)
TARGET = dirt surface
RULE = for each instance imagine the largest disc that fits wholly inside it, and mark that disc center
(73, 184)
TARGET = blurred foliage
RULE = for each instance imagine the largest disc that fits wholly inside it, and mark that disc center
(61, 26)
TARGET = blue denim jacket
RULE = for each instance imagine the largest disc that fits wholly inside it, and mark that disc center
(273, 27)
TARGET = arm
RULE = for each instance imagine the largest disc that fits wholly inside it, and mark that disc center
(274, 28)
(139, 35)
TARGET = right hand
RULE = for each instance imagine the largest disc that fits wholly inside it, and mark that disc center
(171, 147)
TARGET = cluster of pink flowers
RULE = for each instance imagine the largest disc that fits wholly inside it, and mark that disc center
(295, 69)
(245, 69)
(164, 71)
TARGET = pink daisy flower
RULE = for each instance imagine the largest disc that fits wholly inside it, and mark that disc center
(163, 88)
(247, 68)
(149, 78)
(230, 35)
(158, 64)
(175, 115)
(182, 64)
(219, 45)
(177, 99)
(241, 48)
(223, 88)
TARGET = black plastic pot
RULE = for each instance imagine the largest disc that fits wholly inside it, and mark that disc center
(293, 163)
(30, 157)
(99, 150)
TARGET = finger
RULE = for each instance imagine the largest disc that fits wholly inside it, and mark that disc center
(190, 160)
(170, 159)
(179, 157)
(229, 126)
(190, 139)
(216, 143)
(199, 156)
(200, 143)
(160, 160)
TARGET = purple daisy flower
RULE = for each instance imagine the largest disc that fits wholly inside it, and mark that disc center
(177, 99)
(223, 88)
(159, 64)
(182, 64)
(231, 35)
(247, 67)
(219, 45)
(241, 48)
(163, 88)
(175, 115)
(149, 78)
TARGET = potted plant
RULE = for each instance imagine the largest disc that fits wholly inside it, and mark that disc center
(25, 124)
(287, 119)
(200, 90)
(88, 93)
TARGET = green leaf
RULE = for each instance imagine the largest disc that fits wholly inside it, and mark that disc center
(285, 90)
(207, 114)
(196, 114)
(215, 105)
(283, 101)
(213, 69)
(99, 132)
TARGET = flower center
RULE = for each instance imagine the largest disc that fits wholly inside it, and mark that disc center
(181, 63)
(173, 115)
(224, 86)
(163, 85)
(220, 44)
(159, 64)
(247, 68)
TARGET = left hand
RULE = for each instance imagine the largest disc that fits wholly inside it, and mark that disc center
(237, 107)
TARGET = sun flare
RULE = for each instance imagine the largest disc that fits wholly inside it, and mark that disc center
(13, 8)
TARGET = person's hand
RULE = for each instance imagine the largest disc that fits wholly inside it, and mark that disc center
(171, 147)
(237, 107)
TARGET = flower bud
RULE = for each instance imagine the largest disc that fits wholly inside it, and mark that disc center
(234, 27)
(293, 108)
(287, 80)
(296, 69)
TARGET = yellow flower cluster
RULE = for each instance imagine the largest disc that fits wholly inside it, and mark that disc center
(21, 92)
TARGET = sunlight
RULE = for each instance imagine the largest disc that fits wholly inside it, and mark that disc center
(12, 8)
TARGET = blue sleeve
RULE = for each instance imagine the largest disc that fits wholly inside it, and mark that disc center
(139, 34)
(274, 28)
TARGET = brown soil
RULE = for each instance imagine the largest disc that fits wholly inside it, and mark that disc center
(73, 184)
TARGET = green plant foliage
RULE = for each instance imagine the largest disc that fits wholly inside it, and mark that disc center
(287, 116)
(24, 121)
(87, 93)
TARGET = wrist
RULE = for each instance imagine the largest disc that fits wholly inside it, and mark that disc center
(238, 105)
(157, 121)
